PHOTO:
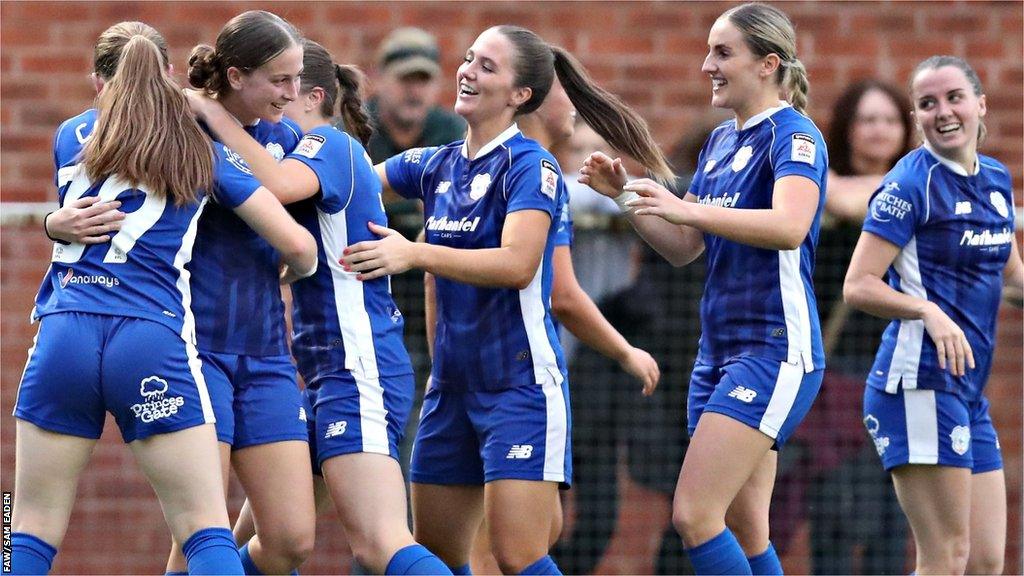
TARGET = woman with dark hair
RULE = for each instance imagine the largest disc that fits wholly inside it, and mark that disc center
(495, 424)
(253, 71)
(937, 249)
(347, 333)
(871, 128)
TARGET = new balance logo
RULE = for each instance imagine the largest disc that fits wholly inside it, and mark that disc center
(335, 429)
(743, 394)
(519, 452)
(963, 208)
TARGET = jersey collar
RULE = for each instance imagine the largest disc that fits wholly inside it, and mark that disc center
(762, 116)
(498, 141)
(953, 167)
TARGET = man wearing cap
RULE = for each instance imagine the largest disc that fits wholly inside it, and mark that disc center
(404, 109)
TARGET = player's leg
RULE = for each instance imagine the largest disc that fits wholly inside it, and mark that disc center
(271, 460)
(526, 451)
(446, 518)
(447, 479)
(937, 502)
(520, 514)
(988, 495)
(47, 468)
(216, 370)
(154, 386)
(191, 492)
(722, 456)
(60, 414)
(747, 517)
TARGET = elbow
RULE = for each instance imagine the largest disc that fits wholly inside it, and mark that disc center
(301, 252)
(791, 241)
(561, 305)
(522, 281)
(853, 293)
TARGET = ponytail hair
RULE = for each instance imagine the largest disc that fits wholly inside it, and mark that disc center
(320, 71)
(767, 30)
(352, 112)
(110, 44)
(171, 157)
(246, 42)
(609, 116)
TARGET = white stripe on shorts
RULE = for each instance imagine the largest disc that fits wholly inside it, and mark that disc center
(556, 432)
(373, 421)
(787, 386)
(922, 426)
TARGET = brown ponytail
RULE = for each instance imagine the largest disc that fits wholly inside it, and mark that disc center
(609, 116)
(145, 132)
(352, 112)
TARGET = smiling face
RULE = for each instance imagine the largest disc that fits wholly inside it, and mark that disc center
(948, 112)
(265, 92)
(486, 80)
(737, 75)
(876, 133)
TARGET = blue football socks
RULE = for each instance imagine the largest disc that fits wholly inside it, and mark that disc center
(212, 551)
(415, 559)
(720, 555)
(766, 563)
(30, 555)
(545, 566)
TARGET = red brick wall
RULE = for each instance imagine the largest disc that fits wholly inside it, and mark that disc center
(650, 53)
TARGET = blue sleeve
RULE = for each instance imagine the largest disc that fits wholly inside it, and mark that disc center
(896, 208)
(405, 171)
(234, 181)
(563, 233)
(532, 183)
(330, 155)
(799, 150)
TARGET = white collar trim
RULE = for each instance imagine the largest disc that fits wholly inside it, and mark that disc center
(762, 116)
(498, 141)
(953, 167)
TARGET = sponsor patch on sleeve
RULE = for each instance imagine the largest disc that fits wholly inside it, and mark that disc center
(309, 145)
(803, 148)
(548, 179)
(413, 156)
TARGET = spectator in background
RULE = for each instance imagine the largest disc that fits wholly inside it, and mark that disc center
(851, 504)
(404, 110)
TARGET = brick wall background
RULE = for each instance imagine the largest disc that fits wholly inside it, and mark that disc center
(648, 52)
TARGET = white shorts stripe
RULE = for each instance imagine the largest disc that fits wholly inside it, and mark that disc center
(373, 421)
(922, 426)
(557, 431)
(787, 386)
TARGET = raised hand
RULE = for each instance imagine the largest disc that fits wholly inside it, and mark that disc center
(603, 174)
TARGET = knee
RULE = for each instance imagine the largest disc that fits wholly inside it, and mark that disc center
(950, 558)
(692, 520)
(987, 562)
(751, 531)
(513, 558)
(290, 544)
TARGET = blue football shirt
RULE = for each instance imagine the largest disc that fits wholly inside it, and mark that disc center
(141, 272)
(236, 294)
(955, 232)
(487, 338)
(339, 322)
(757, 301)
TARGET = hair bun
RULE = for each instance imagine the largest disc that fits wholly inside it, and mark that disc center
(204, 67)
